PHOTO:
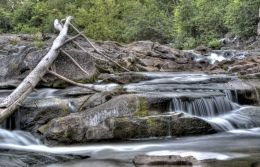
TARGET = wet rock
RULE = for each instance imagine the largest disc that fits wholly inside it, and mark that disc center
(96, 99)
(96, 163)
(88, 125)
(253, 113)
(13, 158)
(37, 112)
(171, 160)
(123, 78)
(203, 49)
(123, 117)
(159, 126)
(238, 68)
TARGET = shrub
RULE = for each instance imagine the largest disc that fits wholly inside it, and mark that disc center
(215, 44)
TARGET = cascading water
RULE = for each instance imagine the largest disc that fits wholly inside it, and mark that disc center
(217, 55)
(17, 138)
(221, 112)
(205, 107)
(231, 121)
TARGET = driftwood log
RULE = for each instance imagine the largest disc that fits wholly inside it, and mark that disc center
(14, 100)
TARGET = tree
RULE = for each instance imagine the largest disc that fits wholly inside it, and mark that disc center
(242, 17)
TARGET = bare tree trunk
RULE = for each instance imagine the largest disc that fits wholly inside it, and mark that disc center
(10, 103)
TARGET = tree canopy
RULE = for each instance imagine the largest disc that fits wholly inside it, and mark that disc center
(184, 23)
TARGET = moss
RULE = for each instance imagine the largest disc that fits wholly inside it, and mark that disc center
(38, 44)
(142, 109)
(92, 79)
(151, 122)
(15, 68)
(44, 128)
(14, 41)
(223, 66)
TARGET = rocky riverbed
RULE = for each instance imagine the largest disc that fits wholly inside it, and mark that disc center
(169, 93)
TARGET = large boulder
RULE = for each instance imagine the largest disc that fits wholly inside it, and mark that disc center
(123, 117)
(178, 124)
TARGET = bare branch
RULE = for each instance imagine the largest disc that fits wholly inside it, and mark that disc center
(83, 49)
(11, 102)
(74, 61)
(70, 81)
(97, 50)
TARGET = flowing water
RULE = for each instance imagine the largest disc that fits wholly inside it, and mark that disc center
(239, 135)
(218, 55)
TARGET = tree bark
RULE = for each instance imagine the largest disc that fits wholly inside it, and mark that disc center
(11, 102)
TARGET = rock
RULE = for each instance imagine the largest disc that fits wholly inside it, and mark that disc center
(178, 124)
(253, 113)
(17, 65)
(170, 160)
(42, 106)
(167, 52)
(182, 61)
(84, 126)
(122, 117)
(258, 29)
(13, 158)
(148, 48)
(123, 78)
(115, 162)
(203, 49)
(37, 112)
(238, 68)
(96, 99)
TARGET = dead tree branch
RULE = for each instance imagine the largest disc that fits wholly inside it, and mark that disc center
(74, 61)
(11, 102)
(97, 50)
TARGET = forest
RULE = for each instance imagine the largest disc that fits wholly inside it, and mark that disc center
(181, 23)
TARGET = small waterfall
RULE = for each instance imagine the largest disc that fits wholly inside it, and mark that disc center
(17, 137)
(204, 107)
(236, 119)
(13, 122)
(231, 95)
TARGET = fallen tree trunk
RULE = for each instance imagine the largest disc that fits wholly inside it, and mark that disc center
(11, 102)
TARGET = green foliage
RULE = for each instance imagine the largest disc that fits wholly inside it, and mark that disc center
(5, 21)
(215, 44)
(184, 23)
(242, 17)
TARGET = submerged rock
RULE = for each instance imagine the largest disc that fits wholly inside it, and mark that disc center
(171, 160)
